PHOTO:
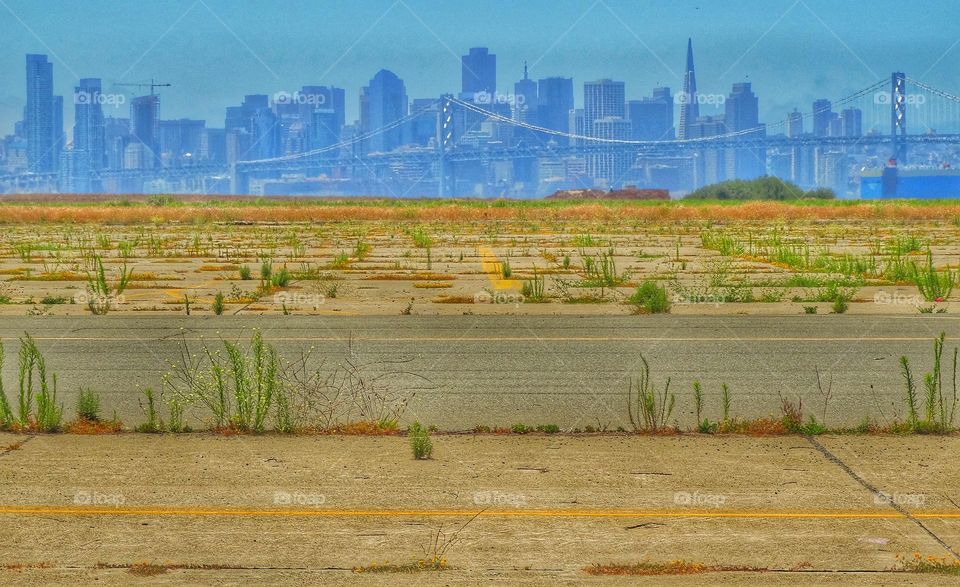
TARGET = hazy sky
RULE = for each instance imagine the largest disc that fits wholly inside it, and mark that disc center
(215, 51)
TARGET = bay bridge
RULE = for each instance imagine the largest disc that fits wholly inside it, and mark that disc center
(888, 107)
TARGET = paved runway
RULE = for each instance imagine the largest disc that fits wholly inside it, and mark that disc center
(570, 371)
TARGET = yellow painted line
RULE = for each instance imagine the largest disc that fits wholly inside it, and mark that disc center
(490, 265)
(519, 513)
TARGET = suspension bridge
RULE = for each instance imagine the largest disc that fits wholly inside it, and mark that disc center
(889, 110)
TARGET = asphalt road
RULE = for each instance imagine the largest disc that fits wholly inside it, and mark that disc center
(571, 371)
(306, 510)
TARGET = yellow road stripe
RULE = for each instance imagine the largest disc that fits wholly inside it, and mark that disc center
(494, 270)
(321, 513)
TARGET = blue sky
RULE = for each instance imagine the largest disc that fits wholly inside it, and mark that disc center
(215, 51)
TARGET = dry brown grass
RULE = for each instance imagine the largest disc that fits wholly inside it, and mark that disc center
(88, 428)
(192, 211)
(410, 277)
(676, 567)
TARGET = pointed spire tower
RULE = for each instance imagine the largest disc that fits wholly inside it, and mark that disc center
(689, 104)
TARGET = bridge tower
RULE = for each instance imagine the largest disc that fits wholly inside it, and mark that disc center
(444, 140)
(898, 103)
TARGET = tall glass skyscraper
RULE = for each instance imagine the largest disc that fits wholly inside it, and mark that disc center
(40, 118)
(479, 71)
(89, 128)
(386, 103)
(603, 99)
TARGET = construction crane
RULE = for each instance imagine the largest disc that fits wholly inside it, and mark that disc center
(153, 85)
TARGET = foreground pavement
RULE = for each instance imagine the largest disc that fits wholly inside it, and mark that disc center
(500, 370)
(294, 510)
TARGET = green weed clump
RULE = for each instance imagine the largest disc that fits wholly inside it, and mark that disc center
(88, 405)
(934, 285)
(649, 410)
(37, 399)
(420, 442)
(650, 298)
(939, 406)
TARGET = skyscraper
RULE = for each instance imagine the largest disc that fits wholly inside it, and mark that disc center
(822, 117)
(525, 99)
(386, 103)
(89, 128)
(851, 122)
(144, 128)
(479, 72)
(652, 118)
(603, 99)
(39, 119)
(611, 168)
(554, 103)
(742, 115)
(794, 124)
(689, 101)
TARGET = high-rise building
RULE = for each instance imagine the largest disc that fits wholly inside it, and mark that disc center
(652, 118)
(822, 117)
(610, 168)
(742, 110)
(554, 103)
(181, 141)
(851, 122)
(144, 129)
(479, 71)
(603, 99)
(89, 127)
(325, 128)
(689, 100)
(525, 99)
(794, 124)
(385, 104)
(40, 117)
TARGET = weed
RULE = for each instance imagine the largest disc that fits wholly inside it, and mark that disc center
(100, 293)
(939, 407)
(47, 416)
(928, 564)
(420, 441)
(420, 238)
(153, 425)
(280, 278)
(219, 304)
(534, 289)
(548, 428)
(809, 309)
(6, 414)
(245, 273)
(505, 269)
(521, 429)
(934, 285)
(88, 405)
(650, 298)
(648, 409)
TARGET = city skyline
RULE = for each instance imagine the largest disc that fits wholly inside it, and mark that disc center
(635, 48)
